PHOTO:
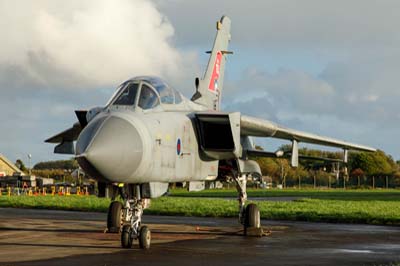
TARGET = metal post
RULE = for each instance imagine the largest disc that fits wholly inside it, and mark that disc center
(344, 181)
(79, 177)
(373, 182)
(387, 182)
(299, 182)
(284, 182)
(283, 175)
(18, 188)
(30, 167)
(315, 181)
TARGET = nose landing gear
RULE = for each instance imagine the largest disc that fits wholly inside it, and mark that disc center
(132, 228)
(128, 219)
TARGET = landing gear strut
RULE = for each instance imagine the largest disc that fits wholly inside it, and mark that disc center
(241, 182)
(249, 216)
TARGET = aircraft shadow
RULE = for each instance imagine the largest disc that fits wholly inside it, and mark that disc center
(204, 232)
(50, 230)
(58, 245)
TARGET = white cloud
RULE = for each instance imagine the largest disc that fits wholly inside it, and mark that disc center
(57, 56)
(87, 44)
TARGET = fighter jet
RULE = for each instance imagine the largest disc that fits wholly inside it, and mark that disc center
(149, 135)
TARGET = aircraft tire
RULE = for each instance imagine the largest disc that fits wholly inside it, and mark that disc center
(126, 238)
(252, 217)
(114, 217)
(144, 238)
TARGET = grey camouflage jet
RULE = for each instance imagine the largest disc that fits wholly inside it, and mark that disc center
(148, 135)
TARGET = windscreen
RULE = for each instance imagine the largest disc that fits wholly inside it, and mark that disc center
(128, 95)
(166, 94)
(148, 98)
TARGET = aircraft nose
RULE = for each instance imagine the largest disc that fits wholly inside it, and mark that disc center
(110, 148)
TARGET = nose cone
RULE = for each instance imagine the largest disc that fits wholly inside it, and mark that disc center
(110, 148)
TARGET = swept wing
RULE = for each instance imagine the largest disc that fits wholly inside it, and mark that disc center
(251, 126)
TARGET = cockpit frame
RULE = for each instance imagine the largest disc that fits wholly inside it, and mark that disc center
(165, 94)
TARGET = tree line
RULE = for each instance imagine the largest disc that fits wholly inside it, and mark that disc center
(59, 170)
(364, 169)
(70, 164)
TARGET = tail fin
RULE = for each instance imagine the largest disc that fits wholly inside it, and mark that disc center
(209, 88)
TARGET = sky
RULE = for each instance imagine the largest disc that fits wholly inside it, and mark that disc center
(326, 67)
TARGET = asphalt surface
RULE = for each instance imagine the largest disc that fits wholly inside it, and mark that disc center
(43, 237)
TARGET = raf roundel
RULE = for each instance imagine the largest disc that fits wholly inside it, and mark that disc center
(178, 146)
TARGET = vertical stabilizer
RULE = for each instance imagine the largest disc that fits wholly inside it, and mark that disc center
(209, 88)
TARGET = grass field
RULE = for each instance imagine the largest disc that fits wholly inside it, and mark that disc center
(350, 206)
(71, 203)
(338, 194)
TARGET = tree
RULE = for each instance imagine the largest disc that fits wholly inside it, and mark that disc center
(298, 175)
(365, 165)
(377, 163)
(268, 166)
(357, 173)
(70, 164)
(284, 168)
(20, 164)
(57, 174)
(396, 179)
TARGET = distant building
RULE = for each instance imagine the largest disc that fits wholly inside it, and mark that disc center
(42, 181)
(7, 168)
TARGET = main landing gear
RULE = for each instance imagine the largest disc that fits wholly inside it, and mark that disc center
(127, 219)
(249, 216)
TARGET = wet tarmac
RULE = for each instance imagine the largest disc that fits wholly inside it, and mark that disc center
(43, 237)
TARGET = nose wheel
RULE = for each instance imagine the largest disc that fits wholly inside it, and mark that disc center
(132, 219)
(126, 236)
(133, 231)
(144, 237)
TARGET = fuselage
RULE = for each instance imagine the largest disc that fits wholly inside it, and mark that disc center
(130, 144)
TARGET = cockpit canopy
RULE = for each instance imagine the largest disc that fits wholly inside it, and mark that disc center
(151, 90)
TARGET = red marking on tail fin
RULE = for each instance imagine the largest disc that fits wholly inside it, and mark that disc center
(213, 86)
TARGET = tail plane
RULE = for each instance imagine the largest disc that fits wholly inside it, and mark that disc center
(209, 88)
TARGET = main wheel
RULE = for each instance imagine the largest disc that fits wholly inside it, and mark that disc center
(252, 217)
(126, 238)
(114, 217)
(144, 237)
